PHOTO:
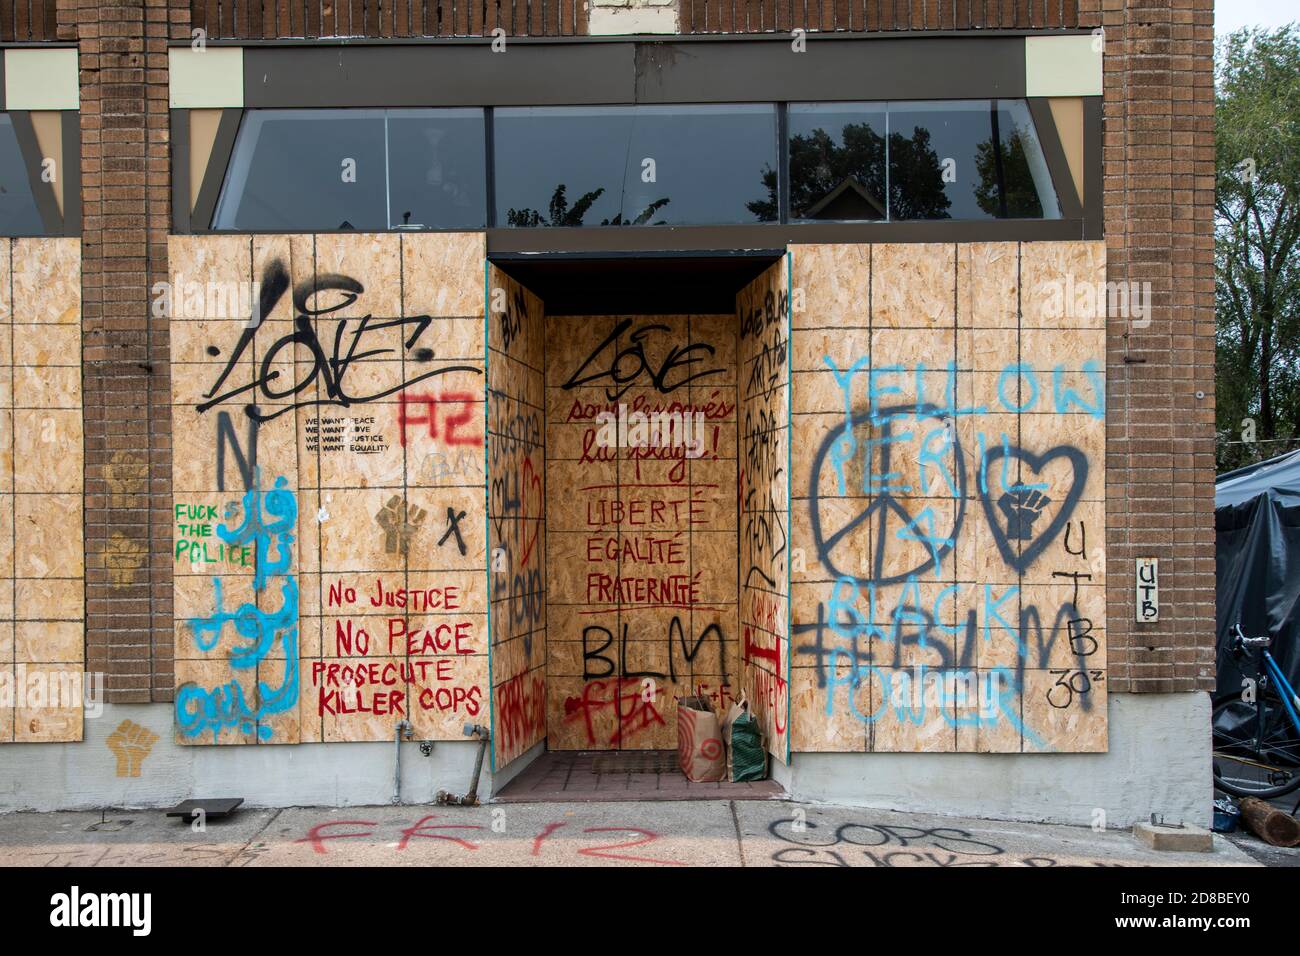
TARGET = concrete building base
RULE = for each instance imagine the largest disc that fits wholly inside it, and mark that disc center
(1159, 761)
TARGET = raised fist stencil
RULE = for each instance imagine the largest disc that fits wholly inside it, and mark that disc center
(400, 523)
(1022, 506)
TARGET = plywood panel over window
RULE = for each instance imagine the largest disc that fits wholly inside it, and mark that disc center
(763, 308)
(516, 514)
(949, 476)
(641, 544)
(329, 522)
(42, 570)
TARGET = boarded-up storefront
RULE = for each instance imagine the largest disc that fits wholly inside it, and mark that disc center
(870, 500)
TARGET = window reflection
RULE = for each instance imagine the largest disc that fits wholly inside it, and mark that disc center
(18, 213)
(972, 159)
(643, 165)
(378, 170)
(975, 153)
(837, 163)
(360, 169)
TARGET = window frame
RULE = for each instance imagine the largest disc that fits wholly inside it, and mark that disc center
(1075, 220)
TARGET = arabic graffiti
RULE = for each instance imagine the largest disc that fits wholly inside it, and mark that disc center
(244, 702)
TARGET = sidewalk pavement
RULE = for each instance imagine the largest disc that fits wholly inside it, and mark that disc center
(701, 833)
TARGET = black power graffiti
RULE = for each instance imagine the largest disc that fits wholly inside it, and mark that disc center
(329, 367)
(1021, 504)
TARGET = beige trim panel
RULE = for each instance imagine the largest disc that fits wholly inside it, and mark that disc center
(209, 78)
(1063, 66)
(41, 79)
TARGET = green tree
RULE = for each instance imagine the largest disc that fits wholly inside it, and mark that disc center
(1257, 243)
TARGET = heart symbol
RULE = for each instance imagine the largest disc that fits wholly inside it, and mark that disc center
(1021, 504)
(532, 483)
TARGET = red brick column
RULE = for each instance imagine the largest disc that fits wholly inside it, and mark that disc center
(125, 176)
(1159, 202)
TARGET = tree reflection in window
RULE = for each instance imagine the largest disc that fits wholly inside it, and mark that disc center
(916, 186)
(848, 183)
(970, 159)
(562, 215)
(1006, 165)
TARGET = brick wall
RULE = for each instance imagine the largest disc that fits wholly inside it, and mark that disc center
(867, 16)
(124, 169)
(254, 19)
(257, 19)
(1159, 181)
(27, 20)
(1159, 196)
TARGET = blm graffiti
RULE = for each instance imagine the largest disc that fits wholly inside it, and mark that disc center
(764, 312)
(641, 604)
(347, 370)
(950, 526)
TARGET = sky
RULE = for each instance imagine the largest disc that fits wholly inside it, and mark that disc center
(1231, 15)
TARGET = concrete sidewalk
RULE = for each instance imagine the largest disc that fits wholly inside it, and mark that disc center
(702, 833)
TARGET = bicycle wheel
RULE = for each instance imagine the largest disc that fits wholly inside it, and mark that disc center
(1245, 766)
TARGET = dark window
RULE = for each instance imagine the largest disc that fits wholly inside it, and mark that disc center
(378, 169)
(368, 170)
(971, 159)
(643, 165)
(18, 213)
(837, 161)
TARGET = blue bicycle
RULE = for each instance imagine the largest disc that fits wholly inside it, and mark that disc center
(1257, 731)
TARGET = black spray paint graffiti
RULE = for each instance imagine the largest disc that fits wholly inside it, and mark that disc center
(328, 370)
(516, 507)
(1015, 516)
(245, 461)
(884, 844)
(512, 319)
(453, 528)
(511, 432)
(1022, 504)
(596, 640)
(622, 368)
(767, 320)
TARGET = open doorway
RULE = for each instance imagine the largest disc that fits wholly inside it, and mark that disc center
(623, 394)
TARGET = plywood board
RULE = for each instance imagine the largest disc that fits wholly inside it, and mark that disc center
(42, 573)
(949, 498)
(764, 314)
(330, 531)
(641, 497)
(516, 515)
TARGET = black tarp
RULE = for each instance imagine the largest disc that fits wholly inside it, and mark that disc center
(1257, 545)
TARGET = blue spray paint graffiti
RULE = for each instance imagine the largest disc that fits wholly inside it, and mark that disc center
(905, 465)
(268, 526)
